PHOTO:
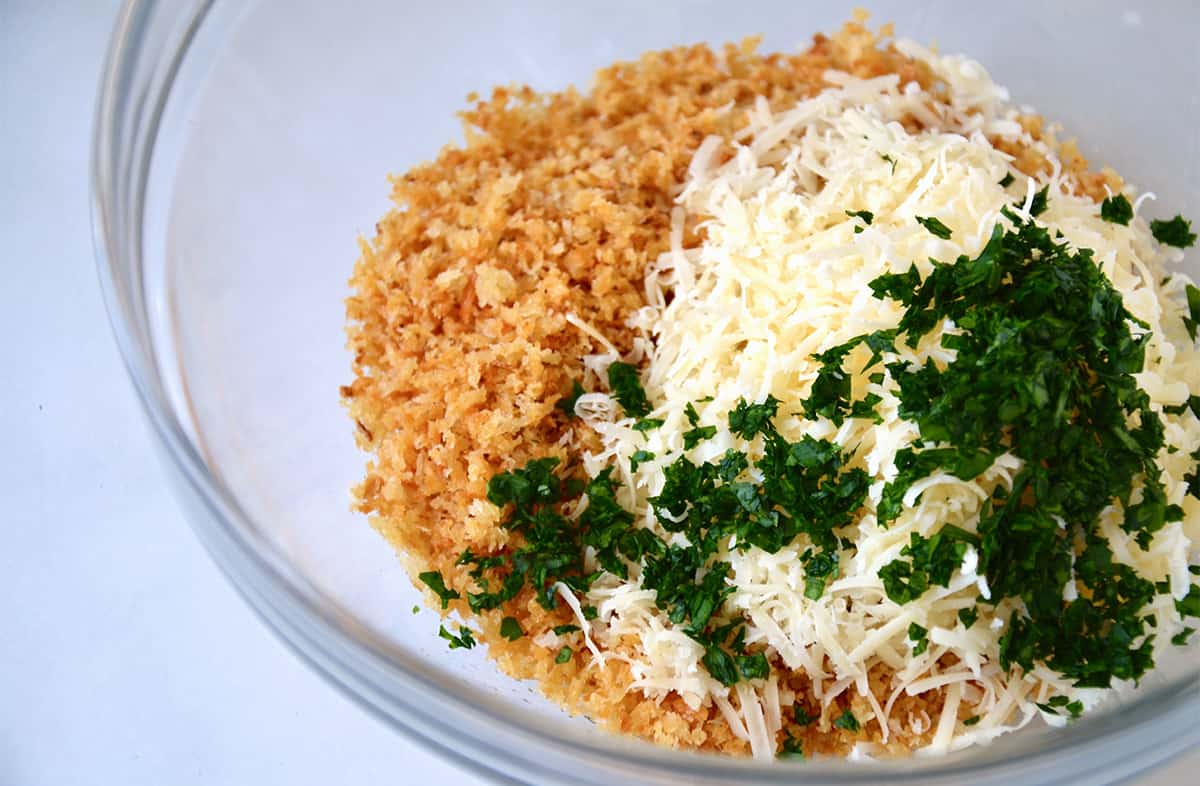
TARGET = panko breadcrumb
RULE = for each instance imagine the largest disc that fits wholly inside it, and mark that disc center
(458, 324)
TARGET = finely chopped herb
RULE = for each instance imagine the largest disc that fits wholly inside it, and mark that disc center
(934, 226)
(865, 215)
(1193, 317)
(1044, 370)
(1116, 210)
(627, 389)
(462, 640)
(1177, 232)
(510, 628)
(919, 636)
(465, 335)
(792, 748)
(1037, 205)
(566, 404)
(848, 722)
(435, 582)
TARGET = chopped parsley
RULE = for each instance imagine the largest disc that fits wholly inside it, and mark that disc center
(511, 629)
(1177, 232)
(754, 667)
(1180, 639)
(560, 630)
(433, 579)
(801, 716)
(934, 226)
(1193, 403)
(1044, 369)
(1116, 210)
(890, 160)
(1193, 317)
(626, 386)
(848, 722)
(1189, 605)
(791, 748)
(1038, 205)
(464, 640)
(805, 489)
(968, 617)
(566, 404)
(932, 561)
(920, 637)
(647, 424)
(563, 655)
(1055, 704)
(866, 215)
(1007, 180)
(697, 435)
(971, 721)
(638, 458)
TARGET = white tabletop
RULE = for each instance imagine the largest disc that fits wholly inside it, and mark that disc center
(125, 657)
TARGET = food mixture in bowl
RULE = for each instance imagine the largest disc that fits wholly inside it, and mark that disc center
(789, 404)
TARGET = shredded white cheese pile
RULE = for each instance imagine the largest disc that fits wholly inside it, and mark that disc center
(782, 274)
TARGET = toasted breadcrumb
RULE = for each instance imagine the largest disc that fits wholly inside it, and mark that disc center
(458, 327)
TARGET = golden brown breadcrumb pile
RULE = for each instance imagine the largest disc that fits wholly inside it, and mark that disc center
(555, 205)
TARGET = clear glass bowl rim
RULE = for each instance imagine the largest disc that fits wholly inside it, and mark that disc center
(149, 43)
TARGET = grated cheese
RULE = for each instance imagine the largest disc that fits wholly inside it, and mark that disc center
(782, 275)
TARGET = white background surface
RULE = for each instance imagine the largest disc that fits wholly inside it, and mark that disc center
(124, 656)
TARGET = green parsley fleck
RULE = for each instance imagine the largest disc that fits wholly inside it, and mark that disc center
(464, 640)
(564, 655)
(801, 716)
(416, 609)
(511, 629)
(1193, 317)
(866, 215)
(638, 458)
(433, 579)
(697, 435)
(969, 616)
(971, 721)
(934, 226)
(1007, 180)
(920, 636)
(890, 160)
(626, 385)
(1038, 205)
(933, 559)
(1177, 232)
(720, 665)
(754, 667)
(1116, 210)
(1056, 703)
(566, 404)
(1180, 639)
(647, 424)
(792, 748)
(848, 722)
(1189, 605)
(560, 630)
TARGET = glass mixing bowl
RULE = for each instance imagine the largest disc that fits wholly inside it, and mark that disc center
(241, 147)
